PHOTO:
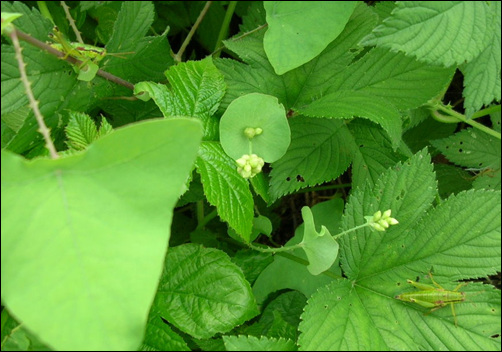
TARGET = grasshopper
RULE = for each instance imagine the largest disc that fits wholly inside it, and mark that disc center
(90, 55)
(433, 297)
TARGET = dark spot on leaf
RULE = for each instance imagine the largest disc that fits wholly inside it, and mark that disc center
(461, 143)
(496, 336)
(361, 146)
(398, 284)
(460, 151)
(288, 178)
(299, 178)
(325, 306)
(290, 113)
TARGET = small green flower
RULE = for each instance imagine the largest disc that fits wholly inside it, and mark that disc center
(381, 222)
(250, 132)
(249, 166)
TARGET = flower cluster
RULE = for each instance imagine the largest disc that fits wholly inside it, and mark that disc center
(381, 222)
(249, 165)
(250, 132)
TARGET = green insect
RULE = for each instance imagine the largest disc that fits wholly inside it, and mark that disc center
(90, 55)
(433, 297)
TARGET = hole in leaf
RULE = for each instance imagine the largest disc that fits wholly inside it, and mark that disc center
(288, 178)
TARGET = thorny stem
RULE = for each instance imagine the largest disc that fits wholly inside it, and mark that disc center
(202, 14)
(33, 102)
(225, 26)
(72, 22)
(70, 59)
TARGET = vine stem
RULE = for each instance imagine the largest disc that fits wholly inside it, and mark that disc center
(225, 26)
(177, 56)
(275, 250)
(42, 127)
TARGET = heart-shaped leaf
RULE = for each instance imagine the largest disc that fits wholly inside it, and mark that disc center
(84, 237)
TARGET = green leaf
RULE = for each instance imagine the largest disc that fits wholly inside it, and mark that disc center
(54, 83)
(471, 148)
(202, 292)
(320, 151)
(374, 153)
(378, 264)
(441, 32)
(299, 31)
(290, 271)
(143, 56)
(320, 247)
(251, 343)
(225, 188)
(255, 111)
(398, 79)
(349, 104)
(482, 74)
(82, 131)
(97, 231)
(160, 337)
(300, 86)
(196, 89)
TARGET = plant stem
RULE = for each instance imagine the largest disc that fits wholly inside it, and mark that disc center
(72, 22)
(178, 56)
(489, 110)
(200, 213)
(225, 27)
(42, 127)
(471, 122)
(275, 250)
(206, 219)
(350, 230)
(44, 11)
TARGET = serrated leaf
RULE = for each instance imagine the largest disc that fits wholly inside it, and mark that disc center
(297, 31)
(320, 151)
(440, 32)
(465, 227)
(225, 188)
(320, 247)
(482, 74)
(202, 292)
(251, 343)
(63, 253)
(394, 77)
(196, 89)
(82, 131)
(160, 337)
(373, 155)
(471, 148)
(143, 56)
(349, 104)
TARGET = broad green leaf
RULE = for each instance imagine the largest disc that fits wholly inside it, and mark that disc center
(320, 151)
(394, 77)
(160, 337)
(471, 148)
(349, 104)
(439, 32)
(320, 247)
(252, 263)
(299, 31)
(255, 111)
(373, 155)
(202, 292)
(91, 230)
(300, 86)
(452, 179)
(378, 264)
(195, 89)
(251, 343)
(488, 180)
(225, 188)
(482, 74)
